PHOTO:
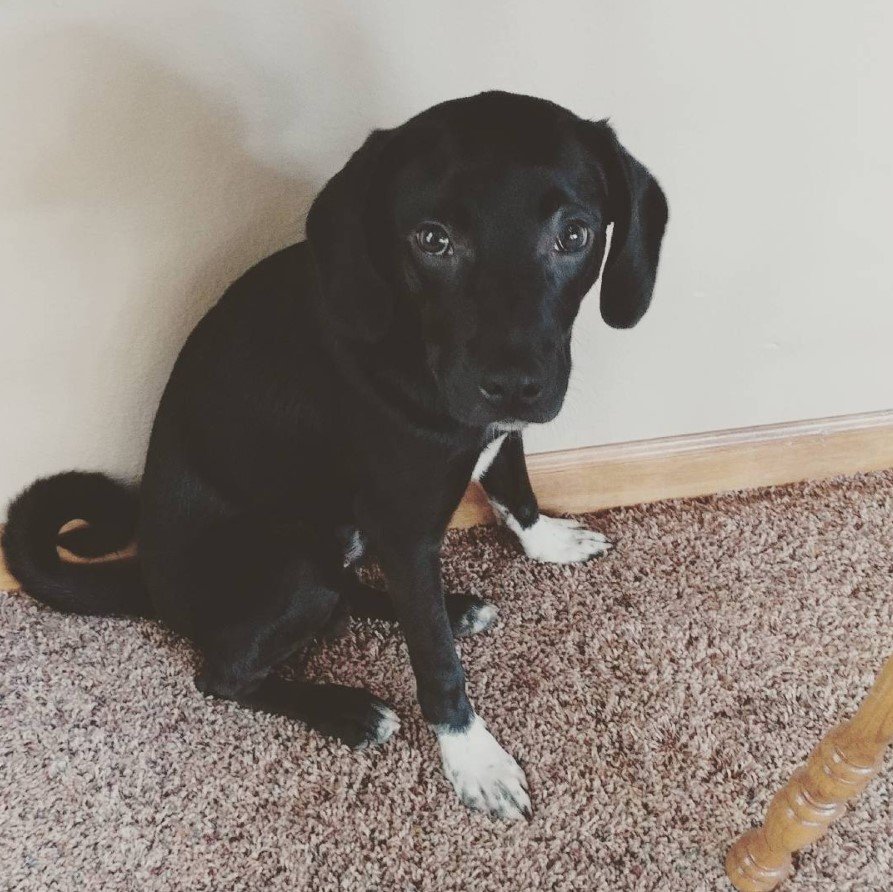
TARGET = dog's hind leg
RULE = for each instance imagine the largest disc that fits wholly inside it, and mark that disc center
(351, 715)
(262, 598)
(468, 615)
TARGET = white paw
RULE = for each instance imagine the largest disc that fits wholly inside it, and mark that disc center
(558, 540)
(477, 618)
(484, 775)
(382, 727)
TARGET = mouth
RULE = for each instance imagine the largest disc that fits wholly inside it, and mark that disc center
(509, 425)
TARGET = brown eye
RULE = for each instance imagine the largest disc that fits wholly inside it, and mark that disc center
(433, 239)
(574, 237)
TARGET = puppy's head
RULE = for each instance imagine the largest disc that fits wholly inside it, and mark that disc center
(484, 220)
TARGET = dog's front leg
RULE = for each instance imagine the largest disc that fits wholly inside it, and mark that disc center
(484, 775)
(553, 539)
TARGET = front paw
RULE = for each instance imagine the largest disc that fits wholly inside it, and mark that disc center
(484, 775)
(560, 540)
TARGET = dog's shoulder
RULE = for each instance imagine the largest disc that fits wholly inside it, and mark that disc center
(257, 343)
(280, 283)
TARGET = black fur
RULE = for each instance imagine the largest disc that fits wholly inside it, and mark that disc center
(506, 482)
(32, 530)
(350, 382)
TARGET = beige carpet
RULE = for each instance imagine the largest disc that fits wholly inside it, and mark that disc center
(656, 699)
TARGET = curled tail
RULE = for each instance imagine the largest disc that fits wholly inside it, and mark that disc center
(32, 533)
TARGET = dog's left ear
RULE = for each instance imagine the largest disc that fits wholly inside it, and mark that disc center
(357, 300)
(638, 209)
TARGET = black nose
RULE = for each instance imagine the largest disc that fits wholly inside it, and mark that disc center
(503, 388)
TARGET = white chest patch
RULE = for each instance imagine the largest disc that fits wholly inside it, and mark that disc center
(488, 453)
(484, 775)
(557, 540)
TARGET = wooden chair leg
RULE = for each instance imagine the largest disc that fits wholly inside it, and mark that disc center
(839, 768)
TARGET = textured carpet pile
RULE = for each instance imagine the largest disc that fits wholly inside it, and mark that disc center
(656, 698)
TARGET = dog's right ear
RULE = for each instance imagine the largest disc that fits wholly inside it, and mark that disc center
(638, 210)
(354, 296)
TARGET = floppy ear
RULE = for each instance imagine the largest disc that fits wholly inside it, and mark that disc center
(354, 296)
(638, 208)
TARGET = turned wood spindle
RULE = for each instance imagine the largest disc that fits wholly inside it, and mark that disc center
(838, 769)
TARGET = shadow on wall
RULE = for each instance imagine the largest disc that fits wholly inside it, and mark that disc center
(136, 202)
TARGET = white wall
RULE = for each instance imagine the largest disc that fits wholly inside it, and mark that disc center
(150, 152)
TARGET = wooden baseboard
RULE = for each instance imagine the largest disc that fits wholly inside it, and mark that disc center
(596, 477)
(7, 582)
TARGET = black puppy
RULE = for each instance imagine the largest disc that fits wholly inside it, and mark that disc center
(341, 395)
